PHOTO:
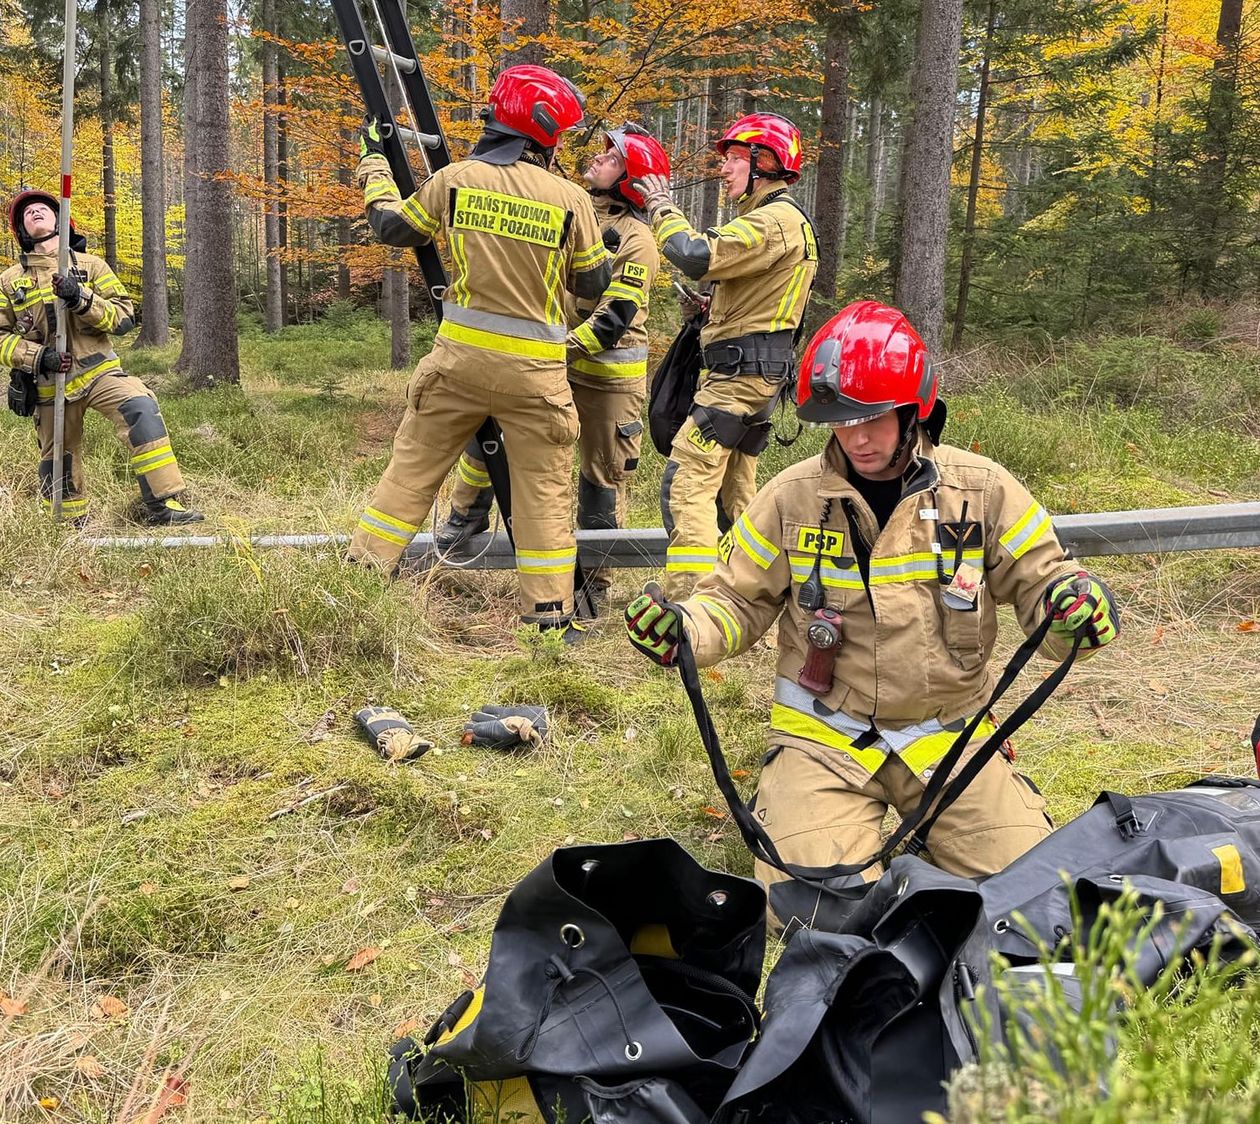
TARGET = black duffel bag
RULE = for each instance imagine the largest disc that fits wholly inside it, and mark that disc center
(674, 386)
(627, 964)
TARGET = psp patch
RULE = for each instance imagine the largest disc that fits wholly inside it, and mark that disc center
(698, 439)
(634, 274)
(808, 541)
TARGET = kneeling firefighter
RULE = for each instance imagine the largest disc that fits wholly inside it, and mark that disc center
(607, 352)
(96, 306)
(883, 561)
(758, 269)
(520, 236)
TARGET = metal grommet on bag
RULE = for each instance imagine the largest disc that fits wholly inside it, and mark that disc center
(902, 886)
(634, 1051)
(1001, 925)
(717, 897)
(1115, 878)
(572, 935)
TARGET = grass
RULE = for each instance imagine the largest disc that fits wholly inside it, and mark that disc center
(183, 835)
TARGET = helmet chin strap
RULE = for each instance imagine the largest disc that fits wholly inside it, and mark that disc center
(909, 428)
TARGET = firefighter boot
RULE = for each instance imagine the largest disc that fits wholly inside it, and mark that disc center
(460, 526)
(167, 512)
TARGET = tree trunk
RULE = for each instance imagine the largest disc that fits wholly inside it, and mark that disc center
(396, 299)
(282, 185)
(105, 52)
(344, 233)
(524, 18)
(210, 355)
(829, 193)
(874, 168)
(716, 119)
(973, 184)
(155, 323)
(1218, 134)
(273, 319)
(929, 151)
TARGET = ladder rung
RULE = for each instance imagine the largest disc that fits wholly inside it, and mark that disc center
(404, 64)
(427, 140)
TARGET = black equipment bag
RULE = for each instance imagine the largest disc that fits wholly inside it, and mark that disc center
(1196, 849)
(629, 964)
(674, 386)
(23, 397)
(868, 1024)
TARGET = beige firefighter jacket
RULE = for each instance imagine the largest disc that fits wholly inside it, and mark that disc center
(518, 237)
(609, 338)
(760, 265)
(905, 658)
(26, 324)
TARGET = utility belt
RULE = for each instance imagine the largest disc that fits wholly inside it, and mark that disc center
(768, 354)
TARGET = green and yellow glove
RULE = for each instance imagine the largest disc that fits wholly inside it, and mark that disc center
(1080, 605)
(654, 628)
(370, 141)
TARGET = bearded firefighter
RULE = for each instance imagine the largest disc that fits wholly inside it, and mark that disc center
(520, 237)
(883, 561)
(757, 270)
(607, 353)
(96, 305)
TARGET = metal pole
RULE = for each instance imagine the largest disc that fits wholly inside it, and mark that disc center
(63, 254)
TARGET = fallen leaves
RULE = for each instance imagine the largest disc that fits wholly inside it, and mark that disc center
(408, 1026)
(109, 1007)
(12, 1008)
(362, 959)
(238, 883)
(1249, 626)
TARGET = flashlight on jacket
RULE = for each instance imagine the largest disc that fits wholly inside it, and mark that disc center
(823, 636)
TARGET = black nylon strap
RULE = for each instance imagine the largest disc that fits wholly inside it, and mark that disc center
(919, 821)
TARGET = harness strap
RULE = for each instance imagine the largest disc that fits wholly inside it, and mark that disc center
(920, 821)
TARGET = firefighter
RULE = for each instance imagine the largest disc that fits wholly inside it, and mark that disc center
(607, 349)
(97, 307)
(914, 544)
(758, 269)
(519, 237)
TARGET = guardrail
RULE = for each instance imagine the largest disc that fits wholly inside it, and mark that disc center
(1160, 530)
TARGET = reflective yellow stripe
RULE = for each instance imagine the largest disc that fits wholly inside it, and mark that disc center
(793, 722)
(673, 224)
(753, 543)
(458, 292)
(590, 257)
(379, 190)
(507, 345)
(387, 527)
(8, 348)
(68, 506)
(555, 302)
(930, 748)
(690, 559)
(1027, 530)
(730, 626)
(783, 317)
(546, 561)
(635, 369)
(418, 216)
(586, 337)
(472, 476)
(80, 381)
(33, 297)
(618, 291)
(742, 229)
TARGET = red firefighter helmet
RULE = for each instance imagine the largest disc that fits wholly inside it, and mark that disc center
(535, 102)
(20, 203)
(769, 131)
(643, 155)
(865, 361)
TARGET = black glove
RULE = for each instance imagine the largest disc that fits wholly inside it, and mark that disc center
(612, 240)
(391, 733)
(70, 291)
(370, 142)
(50, 361)
(507, 727)
(23, 397)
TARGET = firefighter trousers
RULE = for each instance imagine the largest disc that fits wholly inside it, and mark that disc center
(134, 412)
(707, 485)
(611, 429)
(819, 813)
(442, 413)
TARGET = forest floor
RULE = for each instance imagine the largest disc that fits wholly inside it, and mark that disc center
(215, 898)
